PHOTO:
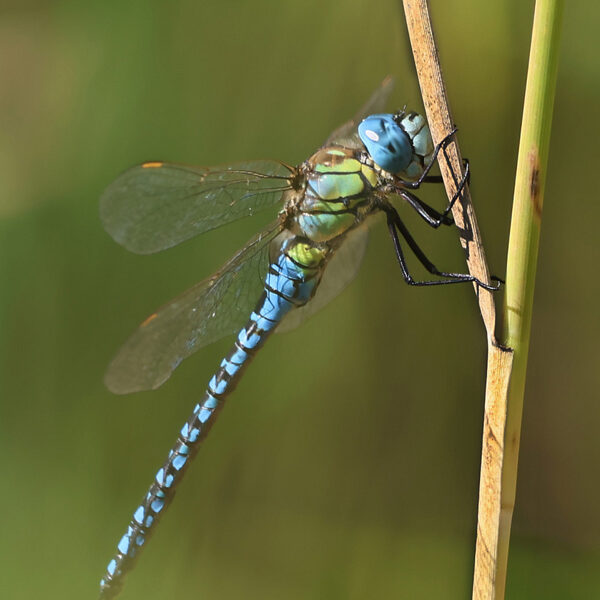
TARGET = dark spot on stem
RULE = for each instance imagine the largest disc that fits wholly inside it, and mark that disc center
(534, 185)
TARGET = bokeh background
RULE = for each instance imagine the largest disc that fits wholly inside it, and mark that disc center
(346, 464)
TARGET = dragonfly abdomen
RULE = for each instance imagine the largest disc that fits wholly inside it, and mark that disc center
(290, 282)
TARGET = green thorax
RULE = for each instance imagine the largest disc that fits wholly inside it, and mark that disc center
(335, 195)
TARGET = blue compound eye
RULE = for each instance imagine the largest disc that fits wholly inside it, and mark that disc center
(387, 143)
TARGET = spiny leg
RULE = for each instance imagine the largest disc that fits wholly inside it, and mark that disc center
(396, 225)
(424, 177)
(434, 218)
(440, 179)
(433, 179)
(460, 186)
(430, 215)
(459, 190)
(439, 218)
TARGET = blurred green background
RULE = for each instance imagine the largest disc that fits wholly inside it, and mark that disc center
(346, 464)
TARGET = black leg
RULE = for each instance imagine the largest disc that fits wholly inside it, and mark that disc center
(413, 185)
(429, 214)
(440, 179)
(433, 179)
(396, 225)
(443, 218)
(437, 218)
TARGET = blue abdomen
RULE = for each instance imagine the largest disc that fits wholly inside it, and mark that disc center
(290, 282)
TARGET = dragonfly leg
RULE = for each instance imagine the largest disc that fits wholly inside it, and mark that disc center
(425, 177)
(438, 218)
(396, 225)
(429, 214)
(459, 189)
(466, 178)
(433, 179)
(440, 179)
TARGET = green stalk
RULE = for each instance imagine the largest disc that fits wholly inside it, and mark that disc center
(523, 244)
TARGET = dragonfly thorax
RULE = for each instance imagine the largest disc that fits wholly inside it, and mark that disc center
(336, 194)
(398, 143)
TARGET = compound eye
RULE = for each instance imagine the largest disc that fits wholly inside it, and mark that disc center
(386, 141)
(372, 135)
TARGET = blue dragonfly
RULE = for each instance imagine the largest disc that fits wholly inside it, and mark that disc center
(281, 276)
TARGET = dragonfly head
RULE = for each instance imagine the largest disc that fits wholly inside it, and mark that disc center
(398, 143)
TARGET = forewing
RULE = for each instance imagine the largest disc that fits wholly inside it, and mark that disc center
(339, 272)
(158, 205)
(346, 134)
(203, 314)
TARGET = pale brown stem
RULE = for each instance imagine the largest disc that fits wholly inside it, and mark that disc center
(499, 363)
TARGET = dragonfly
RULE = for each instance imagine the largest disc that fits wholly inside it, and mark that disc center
(284, 274)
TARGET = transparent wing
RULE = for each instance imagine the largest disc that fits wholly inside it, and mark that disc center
(346, 134)
(158, 205)
(340, 271)
(215, 307)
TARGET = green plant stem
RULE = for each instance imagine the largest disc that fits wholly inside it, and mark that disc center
(524, 241)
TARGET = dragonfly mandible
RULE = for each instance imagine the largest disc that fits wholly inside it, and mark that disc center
(282, 275)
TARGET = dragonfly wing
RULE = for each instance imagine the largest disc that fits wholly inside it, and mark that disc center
(158, 205)
(346, 134)
(211, 309)
(339, 272)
